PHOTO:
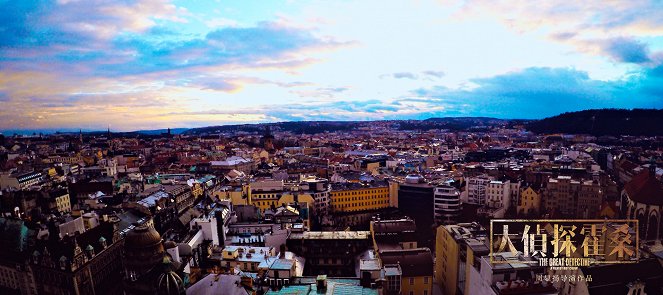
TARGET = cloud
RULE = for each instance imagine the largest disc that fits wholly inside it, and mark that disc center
(265, 45)
(428, 75)
(578, 22)
(542, 92)
(321, 92)
(79, 23)
(405, 75)
(436, 74)
(627, 50)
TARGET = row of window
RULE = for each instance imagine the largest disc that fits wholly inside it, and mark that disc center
(382, 203)
(352, 193)
(347, 199)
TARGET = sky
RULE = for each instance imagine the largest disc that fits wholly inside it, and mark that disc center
(150, 64)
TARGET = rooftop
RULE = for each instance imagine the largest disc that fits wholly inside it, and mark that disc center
(331, 235)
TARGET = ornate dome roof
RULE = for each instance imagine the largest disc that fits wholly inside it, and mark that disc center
(142, 236)
(169, 283)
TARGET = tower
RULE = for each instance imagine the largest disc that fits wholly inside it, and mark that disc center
(268, 140)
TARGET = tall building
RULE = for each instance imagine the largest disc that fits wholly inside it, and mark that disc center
(447, 204)
(415, 200)
(456, 247)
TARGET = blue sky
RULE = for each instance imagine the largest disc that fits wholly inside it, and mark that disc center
(147, 64)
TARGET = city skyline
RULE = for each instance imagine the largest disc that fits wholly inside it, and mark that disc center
(151, 64)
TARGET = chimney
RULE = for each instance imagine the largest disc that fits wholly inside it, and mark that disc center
(321, 283)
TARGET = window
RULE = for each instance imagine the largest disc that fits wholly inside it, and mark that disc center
(425, 281)
(411, 281)
(425, 292)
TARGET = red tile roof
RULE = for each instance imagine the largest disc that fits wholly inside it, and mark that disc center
(645, 188)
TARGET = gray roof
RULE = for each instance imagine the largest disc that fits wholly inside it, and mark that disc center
(218, 285)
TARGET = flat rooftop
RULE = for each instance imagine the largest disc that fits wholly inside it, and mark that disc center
(331, 235)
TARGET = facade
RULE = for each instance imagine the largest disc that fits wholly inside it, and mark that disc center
(530, 202)
(475, 188)
(353, 197)
(319, 190)
(393, 234)
(394, 241)
(415, 200)
(514, 187)
(456, 247)
(573, 198)
(498, 194)
(331, 252)
(447, 204)
(20, 181)
(63, 203)
(182, 194)
(416, 269)
(265, 194)
(69, 268)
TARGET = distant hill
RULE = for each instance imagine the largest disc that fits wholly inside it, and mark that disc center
(299, 127)
(615, 122)
(458, 123)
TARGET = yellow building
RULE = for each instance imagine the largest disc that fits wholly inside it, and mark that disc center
(197, 190)
(353, 197)
(530, 202)
(238, 195)
(63, 203)
(454, 246)
(265, 200)
(393, 193)
(265, 193)
(417, 269)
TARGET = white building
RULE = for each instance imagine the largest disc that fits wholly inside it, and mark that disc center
(446, 204)
(476, 189)
(498, 194)
(208, 227)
